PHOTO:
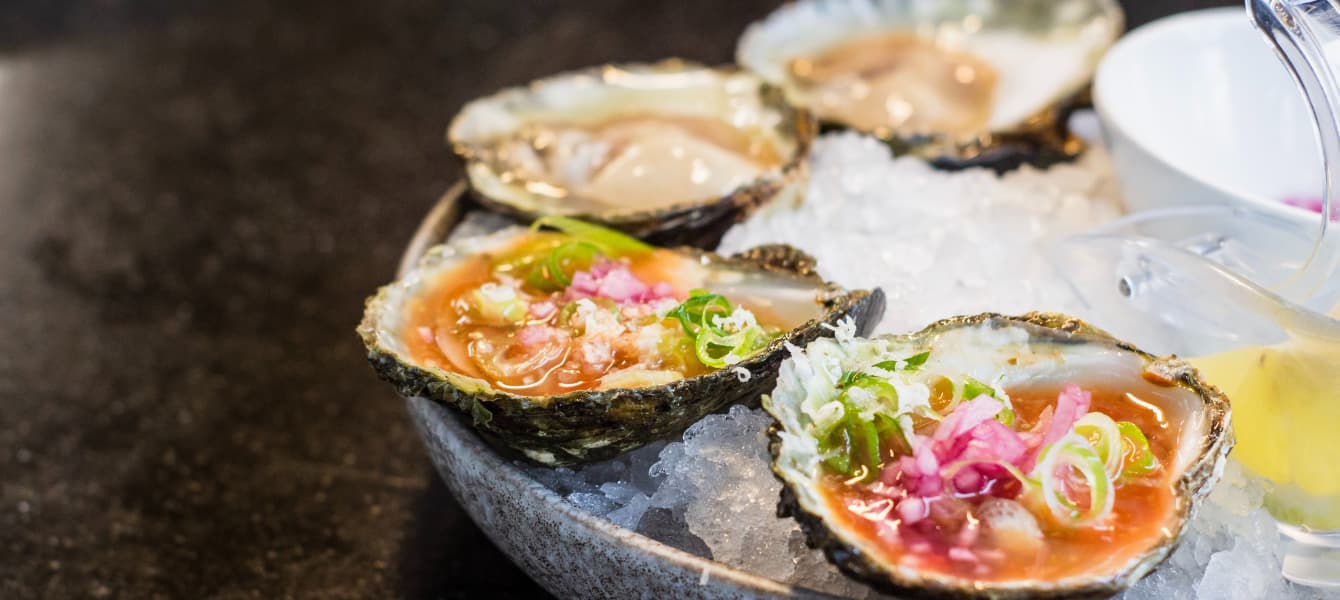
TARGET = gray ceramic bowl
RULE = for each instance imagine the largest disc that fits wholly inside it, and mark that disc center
(573, 554)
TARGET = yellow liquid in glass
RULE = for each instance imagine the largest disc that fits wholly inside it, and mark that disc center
(1286, 415)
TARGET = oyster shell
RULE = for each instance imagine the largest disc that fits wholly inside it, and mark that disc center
(672, 152)
(596, 424)
(958, 83)
(1037, 349)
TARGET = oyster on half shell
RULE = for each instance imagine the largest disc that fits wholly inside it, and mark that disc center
(530, 387)
(1033, 456)
(671, 152)
(959, 83)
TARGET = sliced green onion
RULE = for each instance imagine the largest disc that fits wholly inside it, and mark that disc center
(841, 441)
(713, 345)
(886, 414)
(538, 278)
(1073, 454)
(569, 258)
(613, 243)
(1104, 436)
(898, 438)
(1138, 458)
(973, 388)
(955, 397)
(838, 446)
(720, 351)
(881, 389)
(850, 377)
(697, 311)
(867, 450)
(856, 443)
(970, 389)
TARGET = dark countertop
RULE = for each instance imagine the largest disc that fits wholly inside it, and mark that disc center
(195, 197)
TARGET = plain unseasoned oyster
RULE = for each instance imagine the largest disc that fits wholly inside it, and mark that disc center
(994, 457)
(984, 83)
(673, 151)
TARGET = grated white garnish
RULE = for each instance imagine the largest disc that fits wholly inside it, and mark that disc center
(844, 331)
(739, 319)
(649, 340)
(742, 374)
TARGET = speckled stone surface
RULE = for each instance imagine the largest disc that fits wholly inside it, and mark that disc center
(195, 197)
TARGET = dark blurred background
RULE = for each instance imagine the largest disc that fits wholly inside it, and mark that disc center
(195, 197)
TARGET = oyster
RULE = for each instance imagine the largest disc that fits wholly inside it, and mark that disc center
(671, 151)
(995, 457)
(578, 345)
(958, 83)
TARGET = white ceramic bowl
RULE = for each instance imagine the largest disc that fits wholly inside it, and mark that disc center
(1197, 109)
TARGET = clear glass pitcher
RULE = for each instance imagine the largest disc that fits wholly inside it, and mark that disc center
(1265, 330)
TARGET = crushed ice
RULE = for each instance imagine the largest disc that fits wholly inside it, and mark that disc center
(939, 244)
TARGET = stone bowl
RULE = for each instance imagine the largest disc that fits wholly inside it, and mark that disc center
(568, 551)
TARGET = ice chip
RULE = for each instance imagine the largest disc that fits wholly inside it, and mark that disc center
(596, 504)
(630, 514)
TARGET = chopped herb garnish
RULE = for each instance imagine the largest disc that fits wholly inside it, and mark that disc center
(910, 363)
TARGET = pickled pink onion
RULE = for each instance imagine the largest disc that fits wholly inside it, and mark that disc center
(1071, 404)
(612, 280)
(971, 434)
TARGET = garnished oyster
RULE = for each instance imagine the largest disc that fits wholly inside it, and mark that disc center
(995, 457)
(578, 344)
(673, 151)
(959, 83)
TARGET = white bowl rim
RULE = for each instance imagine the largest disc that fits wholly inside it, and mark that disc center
(1153, 34)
